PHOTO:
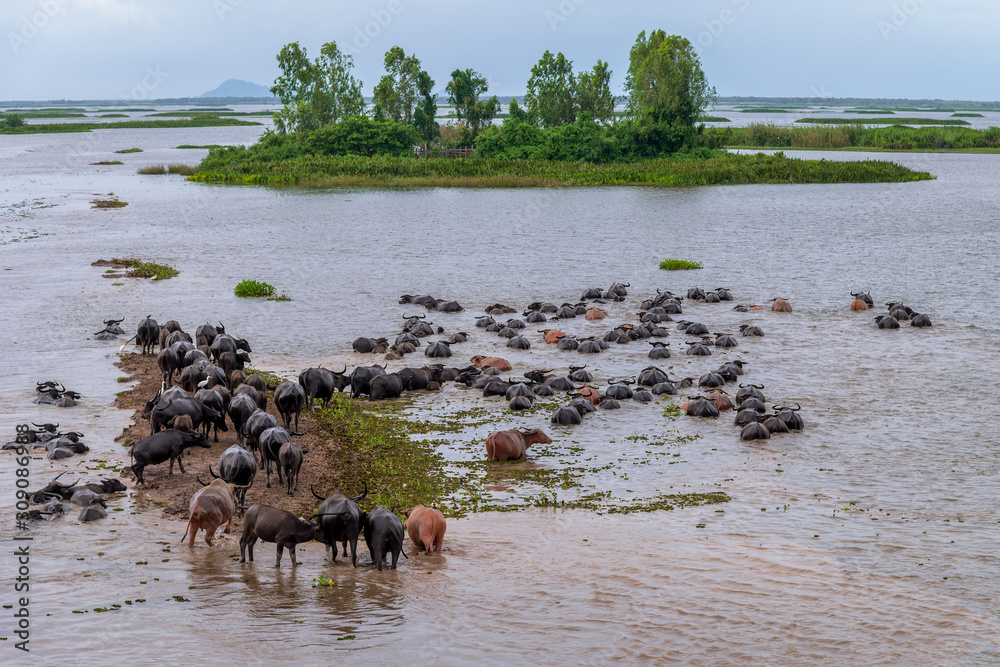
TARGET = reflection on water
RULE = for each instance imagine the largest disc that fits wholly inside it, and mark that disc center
(870, 537)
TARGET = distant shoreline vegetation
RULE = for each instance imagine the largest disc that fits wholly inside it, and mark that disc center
(882, 121)
(893, 138)
(55, 128)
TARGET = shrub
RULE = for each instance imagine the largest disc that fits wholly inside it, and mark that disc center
(12, 120)
(679, 265)
(252, 288)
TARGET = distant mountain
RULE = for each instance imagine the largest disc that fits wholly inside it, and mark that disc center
(237, 88)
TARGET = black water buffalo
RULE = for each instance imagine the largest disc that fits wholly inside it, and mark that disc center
(438, 349)
(269, 524)
(212, 398)
(168, 409)
(288, 398)
(651, 376)
(383, 535)
(169, 362)
(419, 378)
(148, 334)
(724, 340)
(340, 518)
(385, 386)
(748, 330)
(258, 422)
(238, 467)
(619, 390)
(290, 460)
(365, 345)
(318, 383)
(361, 379)
(164, 446)
(209, 332)
(920, 320)
(659, 351)
(699, 406)
(566, 416)
(755, 431)
(241, 408)
(270, 443)
(790, 416)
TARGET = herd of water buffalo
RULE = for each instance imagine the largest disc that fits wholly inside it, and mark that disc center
(204, 382)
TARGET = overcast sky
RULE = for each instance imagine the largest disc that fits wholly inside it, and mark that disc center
(76, 49)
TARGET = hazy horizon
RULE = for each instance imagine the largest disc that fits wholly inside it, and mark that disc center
(136, 49)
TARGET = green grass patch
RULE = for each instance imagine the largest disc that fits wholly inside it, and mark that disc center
(679, 265)
(713, 119)
(113, 115)
(870, 111)
(270, 378)
(226, 166)
(252, 288)
(193, 146)
(375, 444)
(142, 269)
(55, 128)
(966, 114)
(44, 114)
(882, 121)
(130, 150)
(107, 162)
(183, 169)
(764, 110)
(279, 297)
(114, 202)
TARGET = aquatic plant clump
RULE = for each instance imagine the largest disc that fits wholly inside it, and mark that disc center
(679, 265)
(141, 269)
(252, 288)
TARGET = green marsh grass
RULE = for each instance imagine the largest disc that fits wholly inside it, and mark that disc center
(107, 162)
(130, 150)
(894, 138)
(142, 269)
(56, 128)
(231, 166)
(252, 288)
(679, 265)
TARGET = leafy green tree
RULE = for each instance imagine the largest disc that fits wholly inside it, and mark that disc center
(405, 94)
(464, 92)
(665, 81)
(550, 91)
(318, 93)
(593, 93)
(515, 112)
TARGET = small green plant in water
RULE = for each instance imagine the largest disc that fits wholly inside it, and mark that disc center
(679, 265)
(130, 150)
(141, 269)
(253, 288)
(672, 410)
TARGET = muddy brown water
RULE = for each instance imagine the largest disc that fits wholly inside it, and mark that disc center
(875, 543)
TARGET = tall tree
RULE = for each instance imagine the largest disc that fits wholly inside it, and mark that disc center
(550, 91)
(464, 92)
(405, 94)
(665, 81)
(593, 93)
(318, 93)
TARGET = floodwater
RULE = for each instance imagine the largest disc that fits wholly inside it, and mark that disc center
(868, 538)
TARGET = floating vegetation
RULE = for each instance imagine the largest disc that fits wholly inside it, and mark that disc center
(252, 288)
(130, 150)
(138, 268)
(107, 162)
(967, 115)
(679, 265)
(713, 119)
(114, 202)
(205, 146)
(155, 169)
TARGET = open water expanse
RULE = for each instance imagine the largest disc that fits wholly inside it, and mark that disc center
(868, 538)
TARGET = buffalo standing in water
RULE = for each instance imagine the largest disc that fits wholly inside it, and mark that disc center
(780, 305)
(383, 535)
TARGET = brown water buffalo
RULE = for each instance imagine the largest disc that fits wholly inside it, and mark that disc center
(426, 527)
(513, 444)
(552, 336)
(269, 524)
(781, 305)
(211, 507)
(589, 393)
(496, 362)
(594, 314)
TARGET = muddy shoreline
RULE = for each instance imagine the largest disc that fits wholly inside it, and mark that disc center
(173, 493)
